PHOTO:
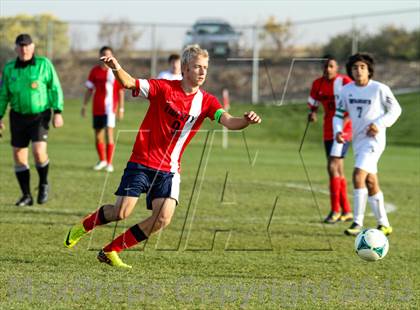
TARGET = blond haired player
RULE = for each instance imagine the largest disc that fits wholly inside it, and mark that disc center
(176, 111)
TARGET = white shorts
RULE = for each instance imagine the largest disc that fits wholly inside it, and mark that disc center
(337, 149)
(367, 159)
(110, 120)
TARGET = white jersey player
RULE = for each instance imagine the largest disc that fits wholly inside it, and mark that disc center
(174, 72)
(372, 108)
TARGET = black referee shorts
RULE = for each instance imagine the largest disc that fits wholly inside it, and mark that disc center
(29, 127)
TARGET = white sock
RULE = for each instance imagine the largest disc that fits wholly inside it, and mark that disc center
(378, 208)
(359, 200)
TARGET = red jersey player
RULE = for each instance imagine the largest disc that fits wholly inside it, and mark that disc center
(108, 96)
(325, 90)
(176, 111)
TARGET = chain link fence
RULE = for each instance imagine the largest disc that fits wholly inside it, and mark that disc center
(256, 72)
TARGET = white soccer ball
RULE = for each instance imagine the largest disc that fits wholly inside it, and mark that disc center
(371, 244)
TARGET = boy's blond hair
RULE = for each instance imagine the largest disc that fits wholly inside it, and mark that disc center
(191, 52)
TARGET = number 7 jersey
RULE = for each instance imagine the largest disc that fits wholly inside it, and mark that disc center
(373, 103)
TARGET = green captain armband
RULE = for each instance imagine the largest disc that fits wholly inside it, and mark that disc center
(218, 114)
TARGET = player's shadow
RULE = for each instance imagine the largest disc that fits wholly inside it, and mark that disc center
(16, 260)
(29, 210)
(236, 276)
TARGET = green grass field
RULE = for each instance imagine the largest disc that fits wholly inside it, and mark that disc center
(246, 234)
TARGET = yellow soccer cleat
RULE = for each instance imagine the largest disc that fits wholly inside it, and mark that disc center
(386, 230)
(74, 235)
(112, 259)
(346, 217)
(332, 218)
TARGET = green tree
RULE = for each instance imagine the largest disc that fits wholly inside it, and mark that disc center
(49, 34)
(389, 42)
(392, 42)
(416, 38)
(339, 46)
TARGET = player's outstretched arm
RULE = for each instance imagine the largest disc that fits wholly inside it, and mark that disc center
(236, 123)
(123, 77)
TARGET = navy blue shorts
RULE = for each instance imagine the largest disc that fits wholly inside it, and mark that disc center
(335, 149)
(138, 179)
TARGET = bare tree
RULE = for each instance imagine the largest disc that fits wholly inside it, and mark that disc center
(120, 35)
(276, 35)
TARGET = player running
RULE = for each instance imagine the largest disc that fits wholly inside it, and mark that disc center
(108, 97)
(325, 90)
(176, 111)
(372, 108)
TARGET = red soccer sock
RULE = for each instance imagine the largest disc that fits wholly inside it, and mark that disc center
(109, 152)
(129, 238)
(344, 201)
(95, 219)
(100, 148)
(335, 184)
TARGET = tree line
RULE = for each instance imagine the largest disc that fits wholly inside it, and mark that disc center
(52, 38)
(390, 42)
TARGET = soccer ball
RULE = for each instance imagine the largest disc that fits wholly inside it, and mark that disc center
(371, 244)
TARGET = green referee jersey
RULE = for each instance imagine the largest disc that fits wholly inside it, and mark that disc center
(31, 89)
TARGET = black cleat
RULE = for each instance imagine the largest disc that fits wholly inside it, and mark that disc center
(25, 200)
(42, 194)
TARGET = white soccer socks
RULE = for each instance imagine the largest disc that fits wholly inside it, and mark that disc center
(378, 208)
(376, 202)
(359, 200)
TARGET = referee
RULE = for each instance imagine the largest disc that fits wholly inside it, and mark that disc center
(31, 86)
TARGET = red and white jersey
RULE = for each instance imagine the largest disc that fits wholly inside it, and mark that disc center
(106, 87)
(172, 120)
(327, 93)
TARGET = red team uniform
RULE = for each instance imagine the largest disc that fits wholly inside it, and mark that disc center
(327, 92)
(106, 90)
(105, 98)
(171, 121)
